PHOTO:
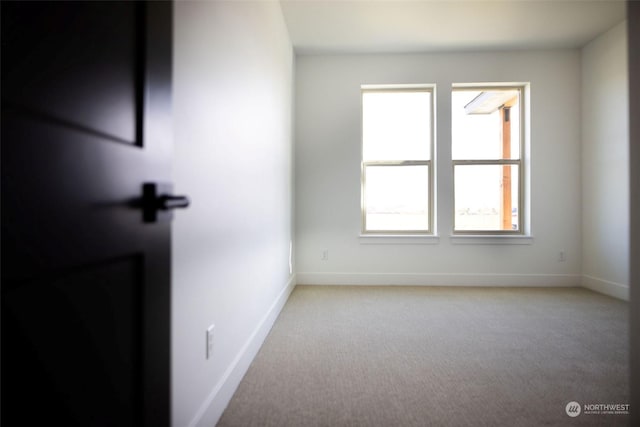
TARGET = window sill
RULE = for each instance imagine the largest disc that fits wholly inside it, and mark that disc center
(399, 239)
(483, 239)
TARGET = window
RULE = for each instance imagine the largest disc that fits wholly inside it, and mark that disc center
(487, 146)
(397, 152)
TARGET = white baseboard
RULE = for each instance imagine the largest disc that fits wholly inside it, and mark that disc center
(215, 404)
(613, 289)
(440, 279)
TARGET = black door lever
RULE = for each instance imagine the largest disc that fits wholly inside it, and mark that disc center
(158, 202)
(173, 202)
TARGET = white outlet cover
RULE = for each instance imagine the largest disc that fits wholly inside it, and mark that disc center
(290, 257)
(209, 352)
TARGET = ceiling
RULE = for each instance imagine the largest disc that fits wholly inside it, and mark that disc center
(340, 26)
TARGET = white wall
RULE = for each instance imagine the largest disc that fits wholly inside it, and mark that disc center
(605, 163)
(233, 156)
(328, 139)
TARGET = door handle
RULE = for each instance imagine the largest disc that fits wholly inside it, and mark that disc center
(158, 202)
(172, 202)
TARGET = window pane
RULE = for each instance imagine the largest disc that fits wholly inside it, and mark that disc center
(396, 125)
(485, 124)
(486, 197)
(397, 198)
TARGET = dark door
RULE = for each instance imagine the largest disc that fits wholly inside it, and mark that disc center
(86, 97)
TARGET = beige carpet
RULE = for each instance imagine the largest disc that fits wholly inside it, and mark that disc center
(424, 356)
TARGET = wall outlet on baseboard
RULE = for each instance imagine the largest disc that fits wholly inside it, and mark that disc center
(209, 353)
(562, 256)
(290, 257)
(325, 255)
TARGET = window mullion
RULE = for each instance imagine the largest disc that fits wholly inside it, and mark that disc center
(487, 162)
(397, 163)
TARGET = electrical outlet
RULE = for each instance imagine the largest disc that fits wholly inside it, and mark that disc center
(290, 257)
(325, 255)
(562, 256)
(209, 353)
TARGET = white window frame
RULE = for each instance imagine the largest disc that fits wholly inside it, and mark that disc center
(431, 88)
(522, 88)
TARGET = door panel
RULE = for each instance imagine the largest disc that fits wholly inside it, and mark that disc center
(80, 60)
(86, 121)
(94, 371)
